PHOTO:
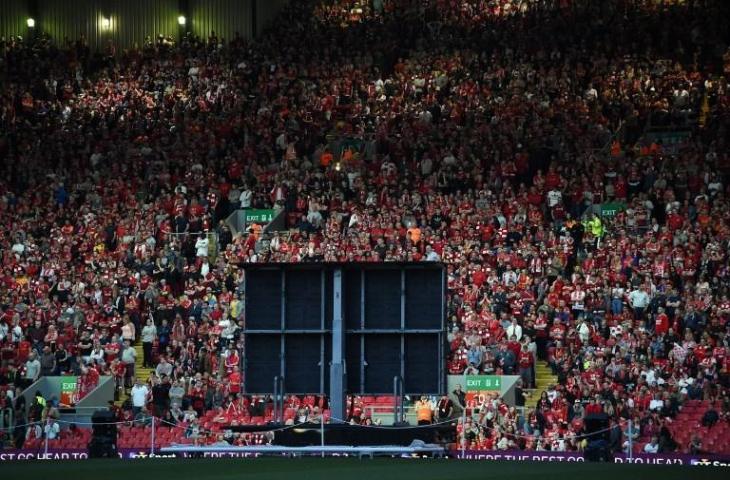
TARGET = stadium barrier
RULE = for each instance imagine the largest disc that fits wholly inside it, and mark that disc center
(638, 458)
(420, 449)
(471, 455)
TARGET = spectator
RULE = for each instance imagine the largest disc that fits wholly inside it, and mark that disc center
(460, 396)
(424, 411)
(164, 368)
(139, 394)
(149, 335)
(47, 362)
(32, 369)
(128, 331)
(710, 417)
(526, 363)
(176, 394)
(639, 301)
(652, 446)
(695, 445)
(445, 408)
(143, 418)
(128, 356)
(161, 396)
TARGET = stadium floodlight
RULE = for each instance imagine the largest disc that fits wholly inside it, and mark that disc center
(30, 22)
(105, 23)
(181, 20)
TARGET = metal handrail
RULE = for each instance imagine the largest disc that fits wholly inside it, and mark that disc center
(278, 399)
(398, 413)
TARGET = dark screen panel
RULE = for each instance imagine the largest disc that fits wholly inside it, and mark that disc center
(263, 299)
(382, 305)
(263, 362)
(422, 364)
(352, 362)
(352, 298)
(382, 354)
(302, 363)
(423, 298)
(328, 302)
(327, 360)
(382, 298)
(303, 299)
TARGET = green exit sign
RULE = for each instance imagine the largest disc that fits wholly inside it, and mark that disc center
(483, 382)
(259, 216)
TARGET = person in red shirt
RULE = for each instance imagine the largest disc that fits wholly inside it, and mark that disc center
(232, 361)
(88, 381)
(235, 381)
(557, 331)
(595, 406)
(526, 361)
(514, 346)
(661, 322)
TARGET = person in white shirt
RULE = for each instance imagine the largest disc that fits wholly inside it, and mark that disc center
(164, 368)
(16, 334)
(577, 299)
(650, 375)
(584, 332)
(503, 443)
(245, 197)
(149, 334)
(4, 329)
(205, 267)
(652, 447)
(18, 249)
(201, 246)
(656, 403)
(509, 277)
(32, 368)
(514, 329)
(140, 393)
(97, 355)
(639, 300)
(431, 255)
(52, 429)
(554, 197)
(552, 393)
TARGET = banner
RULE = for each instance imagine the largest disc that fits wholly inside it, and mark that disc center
(69, 393)
(640, 458)
(34, 454)
(516, 456)
(258, 216)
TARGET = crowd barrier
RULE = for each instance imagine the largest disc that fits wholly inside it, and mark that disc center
(468, 455)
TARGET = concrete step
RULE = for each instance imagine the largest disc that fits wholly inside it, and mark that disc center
(140, 372)
(543, 378)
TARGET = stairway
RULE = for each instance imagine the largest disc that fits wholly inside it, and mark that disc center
(543, 377)
(141, 372)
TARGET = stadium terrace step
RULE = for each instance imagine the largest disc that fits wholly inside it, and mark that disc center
(543, 378)
(141, 372)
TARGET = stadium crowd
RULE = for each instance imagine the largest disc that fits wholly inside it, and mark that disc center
(505, 139)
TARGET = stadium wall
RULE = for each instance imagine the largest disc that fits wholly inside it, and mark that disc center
(266, 10)
(13, 17)
(126, 23)
(225, 17)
